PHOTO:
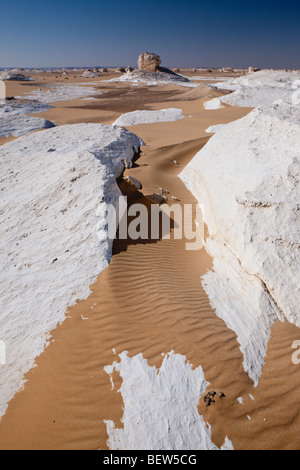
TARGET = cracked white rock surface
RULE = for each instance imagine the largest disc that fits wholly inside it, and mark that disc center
(247, 177)
(266, 87)
(54, 239)
(15, 119)
(149, 117)
(160, 406)
(61, 92)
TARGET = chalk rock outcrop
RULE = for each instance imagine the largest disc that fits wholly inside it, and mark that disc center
(163, 76)
(15, 119)
(252, 70)
(149, 61)
(226, 70)
(168, 397)
(90, 74)
(247, 177)
(265, 87)
(17, 77)
(147, 117)
(17, 124)
(59, 234)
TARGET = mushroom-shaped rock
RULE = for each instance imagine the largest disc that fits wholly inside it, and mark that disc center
(253, 69)
(149, 61)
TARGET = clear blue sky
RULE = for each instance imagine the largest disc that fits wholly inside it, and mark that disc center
(40, 33)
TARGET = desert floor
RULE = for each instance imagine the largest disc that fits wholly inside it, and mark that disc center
(150, 300)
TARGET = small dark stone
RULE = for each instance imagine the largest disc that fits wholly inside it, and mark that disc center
(134, 182)
(157, 198)
(209, 397)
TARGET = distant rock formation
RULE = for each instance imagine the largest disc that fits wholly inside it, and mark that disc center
(150, 71)
(90, 74)
(226, 70)
(120, 69)
(149, 62)
(103, 70)
(161, 76)
(252, 70)
(18, 77)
